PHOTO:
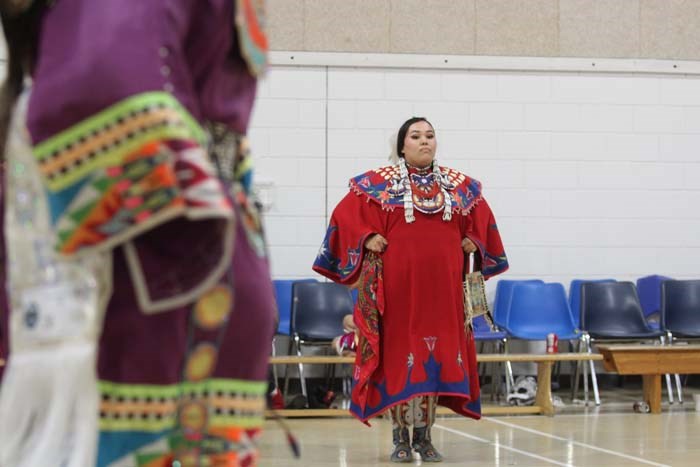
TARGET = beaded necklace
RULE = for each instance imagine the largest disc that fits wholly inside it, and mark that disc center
(405, 183)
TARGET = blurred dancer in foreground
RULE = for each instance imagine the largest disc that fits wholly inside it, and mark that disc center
(141, 302)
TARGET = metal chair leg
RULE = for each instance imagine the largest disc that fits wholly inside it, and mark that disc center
(585, 384)
(286, 368)
(510, 381)
(495, 375)
(594, 379)
(330, 375)
(669, 385)
(577, 373)
(575, 380)
(274, 367)
(347, 385)
(302, 380)
(679, 387)
(669, 388)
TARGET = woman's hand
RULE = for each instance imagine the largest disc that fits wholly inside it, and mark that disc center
(376, 243)
(468, 246)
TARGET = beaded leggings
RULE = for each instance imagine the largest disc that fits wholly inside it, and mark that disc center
(419, 412)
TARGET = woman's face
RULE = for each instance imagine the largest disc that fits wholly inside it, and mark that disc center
(419, 145)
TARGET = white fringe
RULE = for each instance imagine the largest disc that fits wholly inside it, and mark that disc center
(49, 402)
(48, 408)
(444, 183)
(407, 194)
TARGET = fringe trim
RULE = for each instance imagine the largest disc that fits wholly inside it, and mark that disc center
(444, 185)
(49, 408)
(468, 209)
(407, 194)
(453, 207)
(359, 192)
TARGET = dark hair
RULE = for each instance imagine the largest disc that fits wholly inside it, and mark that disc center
(20, 22)
(404, 129)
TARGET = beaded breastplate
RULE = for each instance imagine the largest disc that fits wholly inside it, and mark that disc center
(428, 191)
(427, 196)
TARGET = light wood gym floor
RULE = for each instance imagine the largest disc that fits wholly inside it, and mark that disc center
(611, 435)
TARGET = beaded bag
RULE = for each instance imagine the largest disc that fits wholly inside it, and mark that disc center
(475, 303)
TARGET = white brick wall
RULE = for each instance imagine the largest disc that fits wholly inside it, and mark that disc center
(589, 175)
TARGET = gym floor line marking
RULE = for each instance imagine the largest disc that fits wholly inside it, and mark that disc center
(575, 443)
(502, 446)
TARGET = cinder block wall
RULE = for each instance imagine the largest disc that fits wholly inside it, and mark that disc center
(590, 175)
(665, 29)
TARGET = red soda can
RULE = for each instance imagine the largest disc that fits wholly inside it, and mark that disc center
(552, 343)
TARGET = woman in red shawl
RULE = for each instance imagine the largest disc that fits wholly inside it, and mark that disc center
(402, 234)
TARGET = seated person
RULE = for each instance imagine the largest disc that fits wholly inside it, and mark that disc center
(345, 345)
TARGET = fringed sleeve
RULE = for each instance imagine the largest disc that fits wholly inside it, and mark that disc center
(354, 219)
(481, 228)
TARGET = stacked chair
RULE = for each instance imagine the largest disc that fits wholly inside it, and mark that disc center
(283, 298)
(538, 309)
(611, 311)
(484, 335)
(600, 310)
(575, 296)
(680, 313)
(649, 291)
(501, 309)
(317, 315)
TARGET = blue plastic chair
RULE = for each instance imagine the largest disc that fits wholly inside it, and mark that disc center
(649, 292)
(283, 298)
(575, 296)
(318, 309)
(483, 331)
(504, 293)
(538, 309)
(501, 306)
(612, 311)
(483, 334)
(680, 313)
(680, 308)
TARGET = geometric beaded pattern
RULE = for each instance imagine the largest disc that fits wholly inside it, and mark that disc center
(105, 138)
(454, 176)
(115, 203)
(388, 172)
(466, 192)
(154, 408)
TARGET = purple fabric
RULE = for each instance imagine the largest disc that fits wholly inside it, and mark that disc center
(185, 259)
(150, 349)
(93, 54)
